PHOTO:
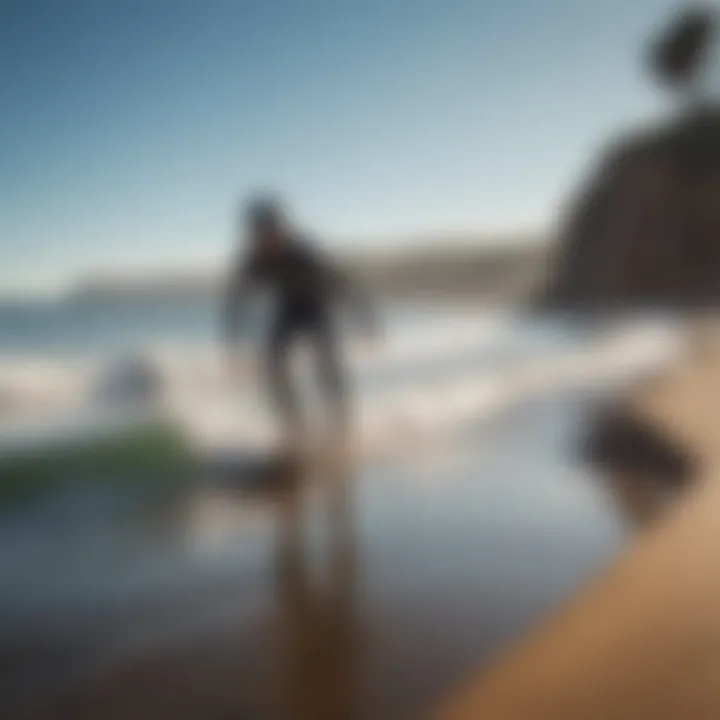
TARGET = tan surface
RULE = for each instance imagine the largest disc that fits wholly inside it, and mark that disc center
(644, 641)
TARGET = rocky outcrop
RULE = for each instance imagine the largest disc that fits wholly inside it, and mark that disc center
(645, 232)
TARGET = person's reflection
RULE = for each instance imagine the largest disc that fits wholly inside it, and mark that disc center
(318, 619)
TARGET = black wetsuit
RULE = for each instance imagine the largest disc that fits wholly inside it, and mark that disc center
(307, 287)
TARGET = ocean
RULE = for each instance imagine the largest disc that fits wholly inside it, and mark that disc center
(74, 328)
(464, 519)
(435, 367)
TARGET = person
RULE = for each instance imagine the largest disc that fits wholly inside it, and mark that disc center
(307, 289)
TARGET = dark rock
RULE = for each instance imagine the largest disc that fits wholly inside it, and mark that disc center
(677, 54)
(645, 231)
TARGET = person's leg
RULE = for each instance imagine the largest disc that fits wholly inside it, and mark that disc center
(332, 376)
(280, 380)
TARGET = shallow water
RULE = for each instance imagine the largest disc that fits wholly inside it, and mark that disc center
(399, 579)
(369, 592)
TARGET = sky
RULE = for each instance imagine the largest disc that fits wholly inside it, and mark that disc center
(131, 129)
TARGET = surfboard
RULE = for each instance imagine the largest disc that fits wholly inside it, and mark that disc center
(277, 469)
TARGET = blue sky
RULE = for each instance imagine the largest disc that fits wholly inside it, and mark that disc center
(130, 128)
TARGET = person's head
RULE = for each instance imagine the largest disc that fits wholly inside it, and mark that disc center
(266, 224)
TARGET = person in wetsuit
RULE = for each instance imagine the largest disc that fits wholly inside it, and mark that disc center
(307, 288)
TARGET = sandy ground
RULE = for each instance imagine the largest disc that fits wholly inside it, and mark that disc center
(642, 639)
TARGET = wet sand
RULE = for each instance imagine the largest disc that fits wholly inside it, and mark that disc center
(371, 594)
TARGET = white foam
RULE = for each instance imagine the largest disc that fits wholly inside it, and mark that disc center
(411, 406)
(420, 412)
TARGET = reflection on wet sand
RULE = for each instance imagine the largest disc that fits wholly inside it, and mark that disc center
(318, 637)
(367, 593)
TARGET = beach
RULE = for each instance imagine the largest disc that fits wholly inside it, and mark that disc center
(370, 592)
